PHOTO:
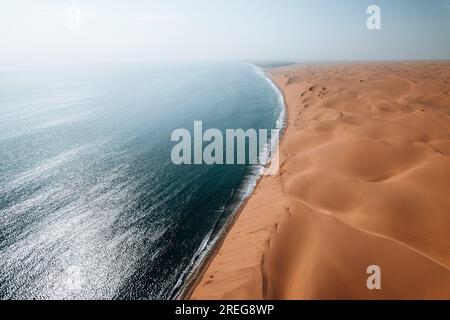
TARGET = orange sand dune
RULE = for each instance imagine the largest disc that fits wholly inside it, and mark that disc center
(365, 180)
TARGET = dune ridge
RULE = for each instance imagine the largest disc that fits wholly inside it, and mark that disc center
(364, 180)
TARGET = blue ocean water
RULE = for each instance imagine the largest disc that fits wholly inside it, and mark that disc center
(91, 205)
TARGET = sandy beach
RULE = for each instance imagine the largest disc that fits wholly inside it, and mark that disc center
(364, 180)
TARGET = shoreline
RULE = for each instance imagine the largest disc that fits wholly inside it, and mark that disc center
(358, 143)
(197, 274)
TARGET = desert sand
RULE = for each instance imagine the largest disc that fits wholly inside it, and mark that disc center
(364, 180)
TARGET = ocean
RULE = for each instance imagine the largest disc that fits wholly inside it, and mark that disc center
(91, 205)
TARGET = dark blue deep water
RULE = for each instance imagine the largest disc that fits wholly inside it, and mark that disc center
(91, 205)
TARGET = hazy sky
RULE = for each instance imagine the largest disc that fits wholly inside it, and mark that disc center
(36, 32)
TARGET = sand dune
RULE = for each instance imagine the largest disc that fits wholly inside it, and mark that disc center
(365, 180)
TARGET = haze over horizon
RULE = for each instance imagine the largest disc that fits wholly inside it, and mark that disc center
(37, 34)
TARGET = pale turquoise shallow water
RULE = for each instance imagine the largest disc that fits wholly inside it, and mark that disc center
(91, 205)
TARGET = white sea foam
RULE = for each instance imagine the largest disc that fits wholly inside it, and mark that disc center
(243, 193)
